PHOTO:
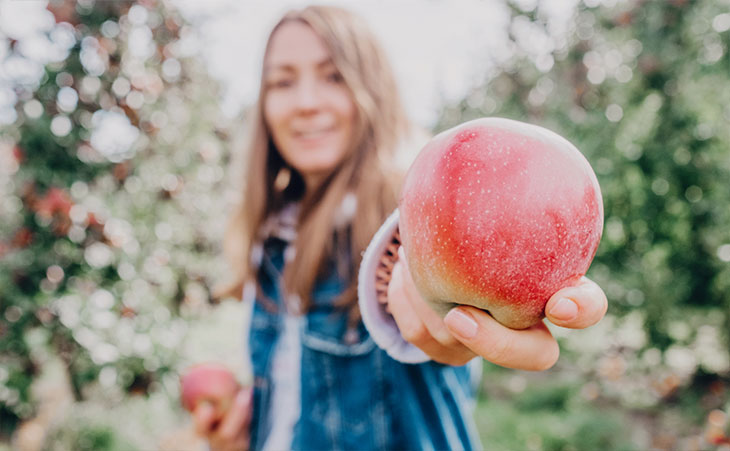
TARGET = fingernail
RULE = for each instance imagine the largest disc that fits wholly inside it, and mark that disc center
(564, 310)
(461, 323)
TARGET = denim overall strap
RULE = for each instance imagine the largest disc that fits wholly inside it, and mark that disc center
(435, 406)
(264, 333)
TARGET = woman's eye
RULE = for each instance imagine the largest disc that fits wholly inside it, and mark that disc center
(334, 77)
(279, 84)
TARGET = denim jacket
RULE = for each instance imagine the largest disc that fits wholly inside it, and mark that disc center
(353, 395)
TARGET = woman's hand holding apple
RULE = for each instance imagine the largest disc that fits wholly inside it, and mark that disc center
(467, 331)
(499, 222)
(229, 432)
(220, 407)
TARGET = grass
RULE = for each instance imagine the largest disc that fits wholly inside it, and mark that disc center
(561, 410)
(537, 425)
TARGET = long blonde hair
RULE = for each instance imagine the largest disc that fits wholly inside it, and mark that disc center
(367, 172)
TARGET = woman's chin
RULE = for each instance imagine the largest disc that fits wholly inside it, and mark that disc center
(316, 165)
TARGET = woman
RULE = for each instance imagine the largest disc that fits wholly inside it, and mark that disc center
(320, 180)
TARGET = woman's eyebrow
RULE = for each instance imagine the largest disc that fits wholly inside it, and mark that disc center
(280, 67)
(326, 62)
(288, 67)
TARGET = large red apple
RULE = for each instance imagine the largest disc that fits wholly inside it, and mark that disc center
(211, 383)
(499, 214)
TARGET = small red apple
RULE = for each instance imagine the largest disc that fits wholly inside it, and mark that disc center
(499, 214)
(208, 382)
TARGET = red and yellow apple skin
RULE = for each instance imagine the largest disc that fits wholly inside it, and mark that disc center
(499, 214)
(211, 383)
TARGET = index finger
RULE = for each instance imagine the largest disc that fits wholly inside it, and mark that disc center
(203, 419)
(532, 349)
(238, 415)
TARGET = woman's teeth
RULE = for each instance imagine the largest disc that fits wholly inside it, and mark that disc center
(313, 133)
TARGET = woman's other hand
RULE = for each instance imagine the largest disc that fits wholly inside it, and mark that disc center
(231, 432)
(467, 331)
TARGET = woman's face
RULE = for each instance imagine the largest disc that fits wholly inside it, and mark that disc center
(307, 106)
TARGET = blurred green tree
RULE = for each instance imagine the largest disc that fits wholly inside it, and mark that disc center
(111, 201)
(638, 87)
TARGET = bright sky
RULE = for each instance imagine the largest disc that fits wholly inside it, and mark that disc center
(439, 49)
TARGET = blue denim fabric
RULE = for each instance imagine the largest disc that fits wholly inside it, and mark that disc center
(354, 396)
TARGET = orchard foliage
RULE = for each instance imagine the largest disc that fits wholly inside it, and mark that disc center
(111, 200)
(638, 88)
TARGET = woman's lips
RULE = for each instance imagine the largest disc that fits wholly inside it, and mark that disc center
(311, 137)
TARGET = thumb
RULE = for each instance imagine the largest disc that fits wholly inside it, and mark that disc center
(203, 418)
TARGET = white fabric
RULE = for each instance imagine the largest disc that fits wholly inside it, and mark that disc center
(281, 225)
(286, 388)
(286, 359)
(380, 324)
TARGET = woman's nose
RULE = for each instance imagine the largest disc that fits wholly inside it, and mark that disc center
(308, 96)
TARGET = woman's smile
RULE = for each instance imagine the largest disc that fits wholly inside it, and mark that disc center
(315, 137)
(308, 108)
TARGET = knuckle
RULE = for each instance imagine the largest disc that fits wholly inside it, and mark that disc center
(500, 350)
(201, 428)
(415, 333)
(457, 360)
(445, 338)
(396, 279)
(446, 360)
(225, 436)
(546, 360)
(394, 293)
